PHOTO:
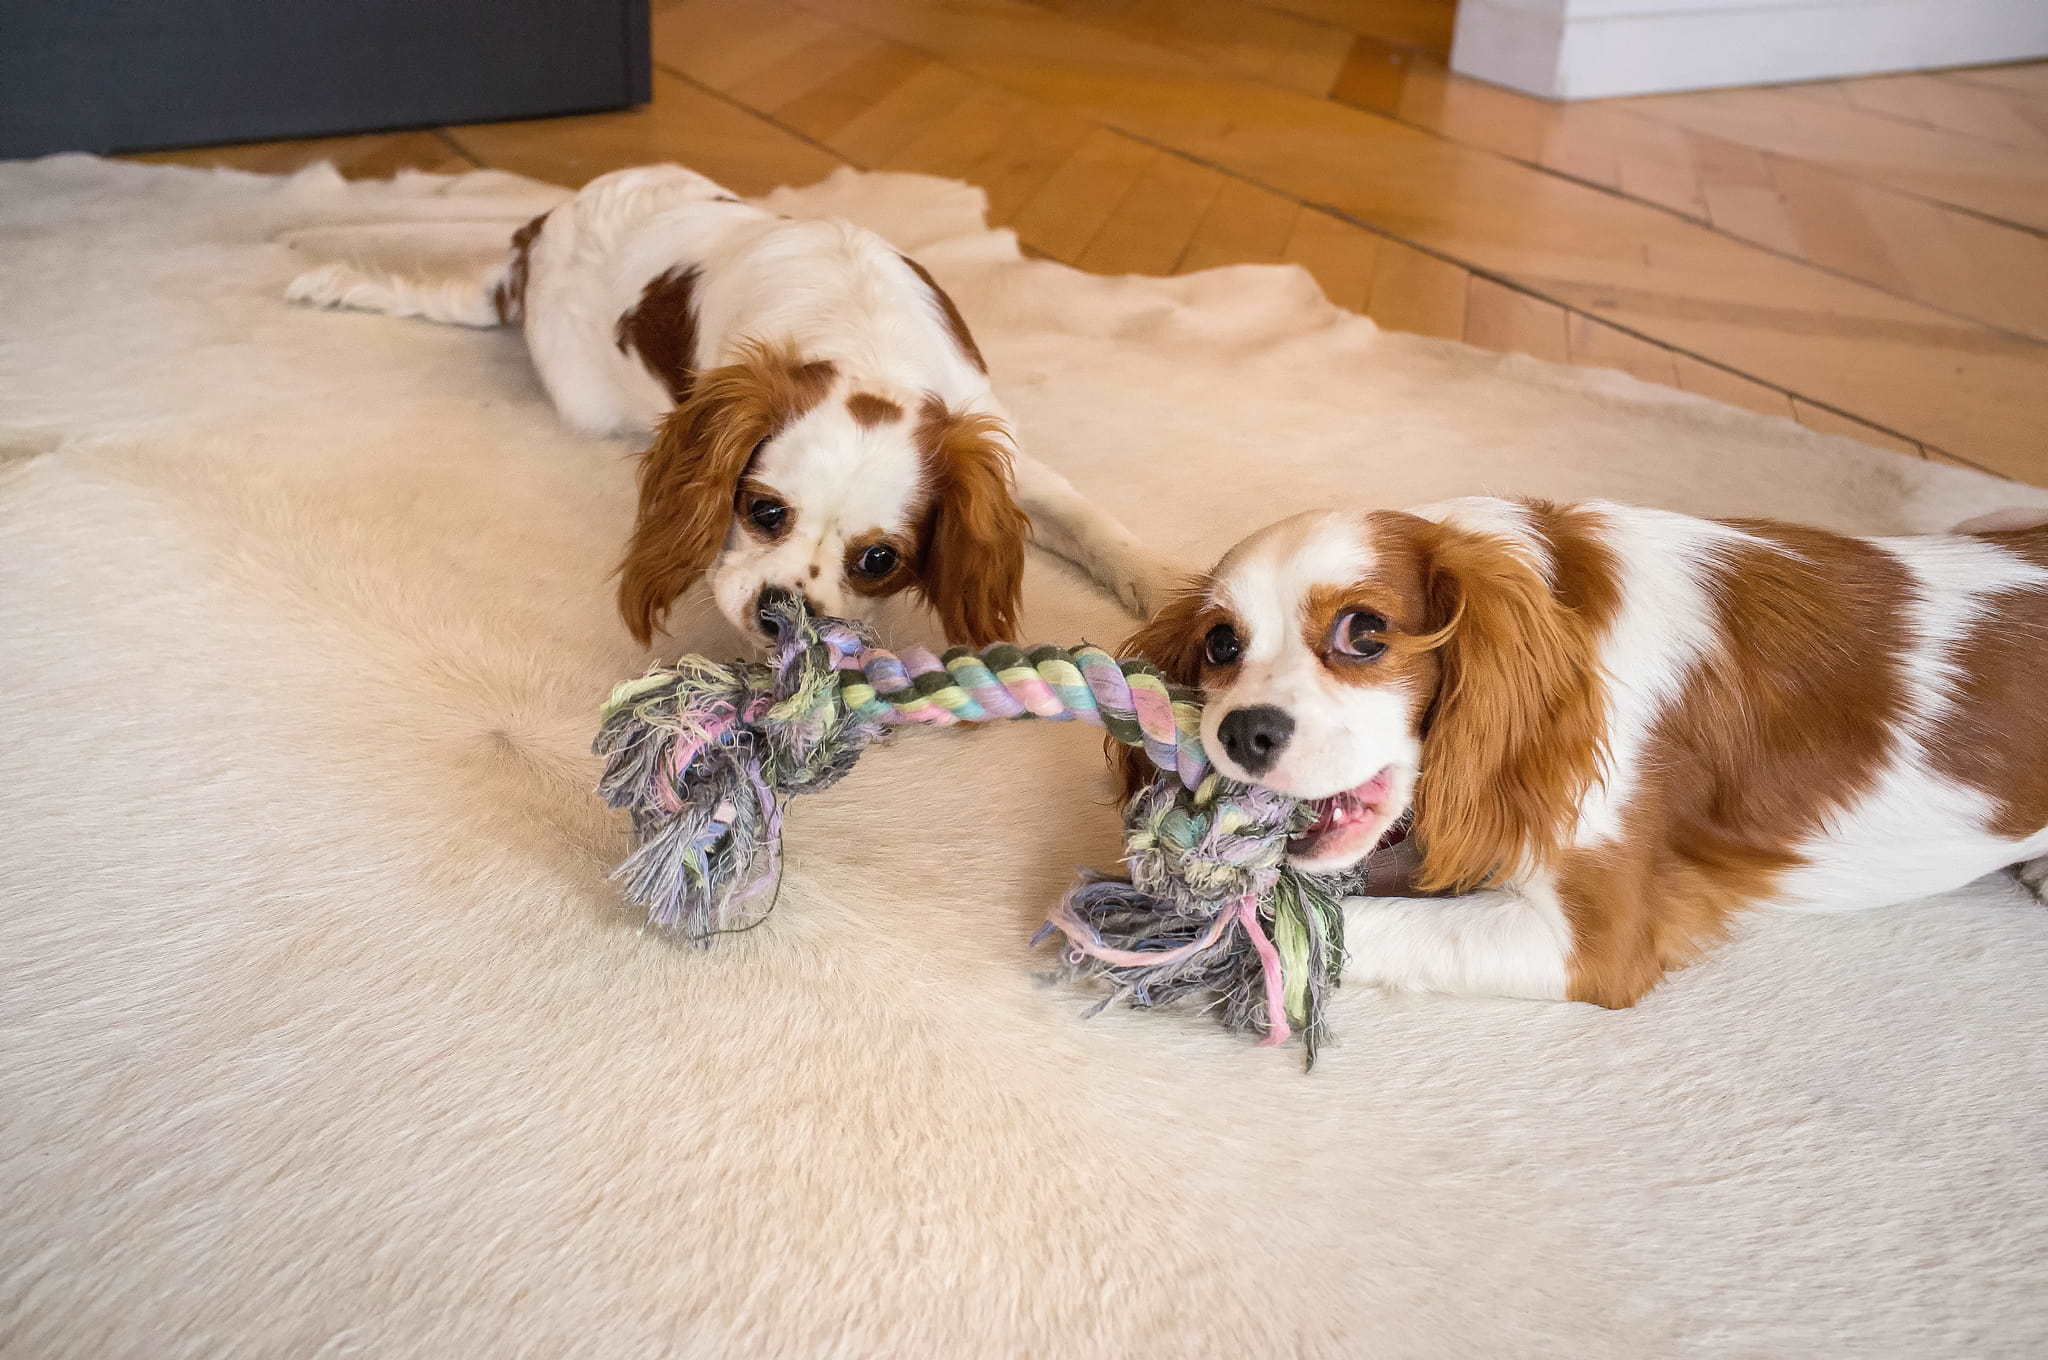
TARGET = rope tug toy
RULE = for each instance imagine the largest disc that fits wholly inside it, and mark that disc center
(701, 755)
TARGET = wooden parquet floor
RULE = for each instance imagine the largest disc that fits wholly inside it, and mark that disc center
(1868, 257)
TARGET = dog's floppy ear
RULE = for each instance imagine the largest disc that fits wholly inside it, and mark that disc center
(971, 562)
(1171, 641)
(690, 475)
(1515, 733)
(688, 479)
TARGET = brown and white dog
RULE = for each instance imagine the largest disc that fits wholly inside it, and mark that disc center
(825, 423)
(1617, 727)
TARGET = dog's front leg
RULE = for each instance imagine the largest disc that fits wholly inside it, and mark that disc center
(1500, 942)
(1067, 524)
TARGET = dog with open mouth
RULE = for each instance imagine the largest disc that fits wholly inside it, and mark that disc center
(1612, 729)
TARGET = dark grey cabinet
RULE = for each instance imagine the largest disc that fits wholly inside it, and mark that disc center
(130, 75)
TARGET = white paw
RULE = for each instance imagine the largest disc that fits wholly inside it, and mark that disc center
(1130, 587)
(2033, 876)
(322, 287)
(1140, 580)
(1131, 591)
(1151, 585)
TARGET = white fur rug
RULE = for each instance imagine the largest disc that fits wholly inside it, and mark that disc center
(323, 1034)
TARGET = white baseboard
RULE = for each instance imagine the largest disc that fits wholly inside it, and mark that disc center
(1585, 49)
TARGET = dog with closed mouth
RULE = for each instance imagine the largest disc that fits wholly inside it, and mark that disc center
(824, 423)
(1612, 729)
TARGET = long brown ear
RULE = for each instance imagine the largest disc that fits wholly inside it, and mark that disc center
(971, 566)
(689, 477)
(1517, 730)
(1171, 641)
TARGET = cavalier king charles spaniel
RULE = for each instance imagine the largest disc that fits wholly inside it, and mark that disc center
(823, 421)
(1611, 729)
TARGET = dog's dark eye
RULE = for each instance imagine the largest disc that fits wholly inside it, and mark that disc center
(767, 513)
(1356, 634)
(1222, 645)
(876, 560)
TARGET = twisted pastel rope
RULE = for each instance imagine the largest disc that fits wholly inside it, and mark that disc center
(1128, 699)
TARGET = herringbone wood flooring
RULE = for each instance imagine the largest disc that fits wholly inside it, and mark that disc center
(1869, 257)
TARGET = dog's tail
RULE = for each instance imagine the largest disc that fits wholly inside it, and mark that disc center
(480, 300)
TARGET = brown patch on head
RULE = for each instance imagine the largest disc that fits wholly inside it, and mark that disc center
(1788, 719)
(1399, 588)
(955, 323)
(1172, 641)
(1516, 733)
(662, 329)
(1397, 595)
(869, 410)
(508, 295)
(1996, 728)
(808, 382)
(971, 557)
(690, 477)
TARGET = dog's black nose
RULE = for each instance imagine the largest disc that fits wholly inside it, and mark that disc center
(775, 598)
(1254, 737)
(766, 604)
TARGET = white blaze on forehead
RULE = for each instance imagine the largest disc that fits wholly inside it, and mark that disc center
(843, 478)
(1265, 580)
